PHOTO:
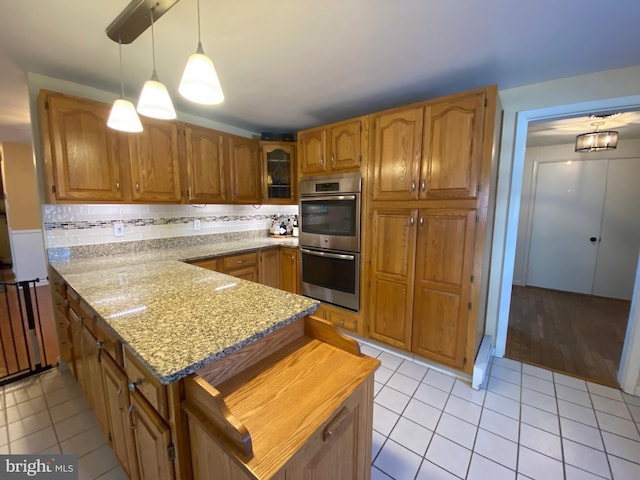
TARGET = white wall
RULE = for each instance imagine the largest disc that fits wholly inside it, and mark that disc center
(554, 153)
(553, 99)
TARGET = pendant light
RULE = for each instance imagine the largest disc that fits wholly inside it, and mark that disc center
(597, 141)
(154, 100)
(200, 82)
(123, 115)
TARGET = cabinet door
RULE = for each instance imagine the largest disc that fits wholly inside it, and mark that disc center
(278, 173)
(152, 438)
(312, 149)
(82, 154)
(205, 158)
(344, 146)
(117, 400)
(91, 354)
(443, 279)
(244, 170)
(75, 324)
(397, 151)
(289, 270)
(270, 267)
(453, 147)
(247, 273)
(391, 276)
(155, 172)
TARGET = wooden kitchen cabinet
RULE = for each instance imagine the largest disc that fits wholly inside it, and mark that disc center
(83, 157)
(117, 401)
(245, 182)
(155, 162)
(429, 202)
(270, 267)
(345, 319)
(452, 146)
(94, 390)
(391, 275)
(397, 153)
(290, 269)
(206, 161)
(278, 172)
(239, 428)
(335, 148)
(244, 265)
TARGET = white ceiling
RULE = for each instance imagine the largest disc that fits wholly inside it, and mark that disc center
(286, 65)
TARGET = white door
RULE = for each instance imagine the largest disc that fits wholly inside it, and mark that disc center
(620, 232)
(567, 215)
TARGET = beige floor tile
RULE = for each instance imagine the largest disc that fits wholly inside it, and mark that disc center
(28, 425)
(74, 425)
(68, 409)
(96, 463)
(34, 443)
(25, 409)
(84, 442)
(62, 395)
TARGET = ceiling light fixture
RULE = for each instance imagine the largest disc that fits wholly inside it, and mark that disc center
(123, 115)
(154, 100)
(200, 82)
(597, 140)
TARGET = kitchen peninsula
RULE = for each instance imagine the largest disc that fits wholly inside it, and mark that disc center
(193, 373)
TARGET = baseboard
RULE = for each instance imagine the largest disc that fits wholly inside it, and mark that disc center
(481, 365)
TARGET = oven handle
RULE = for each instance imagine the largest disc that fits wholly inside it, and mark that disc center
(328, 197)
(337, 256)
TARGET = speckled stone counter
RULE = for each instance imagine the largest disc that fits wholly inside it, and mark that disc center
(177, 318)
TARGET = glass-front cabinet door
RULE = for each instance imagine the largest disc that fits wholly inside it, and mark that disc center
(278, 167)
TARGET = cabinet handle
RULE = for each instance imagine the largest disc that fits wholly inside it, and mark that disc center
(118, 393)
(413, 186)
(336, 425)
(131, 424)
(235, 192)
(132, 385)
(240, 261)
(189, 192)
(412, 221)
(321, 160)
(333, 158)
(421, 221)
(137, 187)
(424, 185)
(117, 186)
(341, 323)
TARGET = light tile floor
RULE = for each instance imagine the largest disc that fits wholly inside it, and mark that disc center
(529, 423)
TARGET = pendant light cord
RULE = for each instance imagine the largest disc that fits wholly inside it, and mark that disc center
(121, 80)
(154, 75)
(199, 50)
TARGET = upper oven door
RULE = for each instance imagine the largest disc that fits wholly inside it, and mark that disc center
(331, 221)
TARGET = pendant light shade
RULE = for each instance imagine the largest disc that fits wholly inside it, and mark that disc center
(123, 115)
(200, 83)
(598, 140)
(154, 100)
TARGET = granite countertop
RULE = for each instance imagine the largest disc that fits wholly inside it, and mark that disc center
(176, 318)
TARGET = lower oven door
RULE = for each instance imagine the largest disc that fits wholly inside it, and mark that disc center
(331, 276)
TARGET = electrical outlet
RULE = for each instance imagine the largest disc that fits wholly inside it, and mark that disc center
(118, 229)
(196, 224)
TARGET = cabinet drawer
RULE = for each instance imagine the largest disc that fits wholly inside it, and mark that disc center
(208, 263)
(344, 320)
(82, 311)
(150, 388)
(110, 342)
(235, 262)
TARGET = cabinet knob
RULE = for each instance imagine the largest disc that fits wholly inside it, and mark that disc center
(137, 187)
(132, 385)
(413, 186)
(333, 158)
(412, 220)
(341, 323)
(421, 221)
(240, 261)
(321, 160)
(117, 186)
(424, 185)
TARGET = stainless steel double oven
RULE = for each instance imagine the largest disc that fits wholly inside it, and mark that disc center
(330, 238)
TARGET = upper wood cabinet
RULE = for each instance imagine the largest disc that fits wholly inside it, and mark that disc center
(82, 155)
(397, 152)
(334, 148)
(245, 182)
(278, 172)
(206, 159)
(452, 146)
(155, 162)
(432, 150)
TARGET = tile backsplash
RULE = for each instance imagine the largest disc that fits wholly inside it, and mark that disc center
(72, 225)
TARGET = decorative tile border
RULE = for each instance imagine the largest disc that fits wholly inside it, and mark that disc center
(143, 222)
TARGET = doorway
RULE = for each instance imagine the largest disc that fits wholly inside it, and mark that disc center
(576, 255)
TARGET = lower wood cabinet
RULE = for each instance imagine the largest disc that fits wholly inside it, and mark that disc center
(117, 401)
(93, 386)
(290, 269)
(345, 319)
(270, 267)
(420, 279)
